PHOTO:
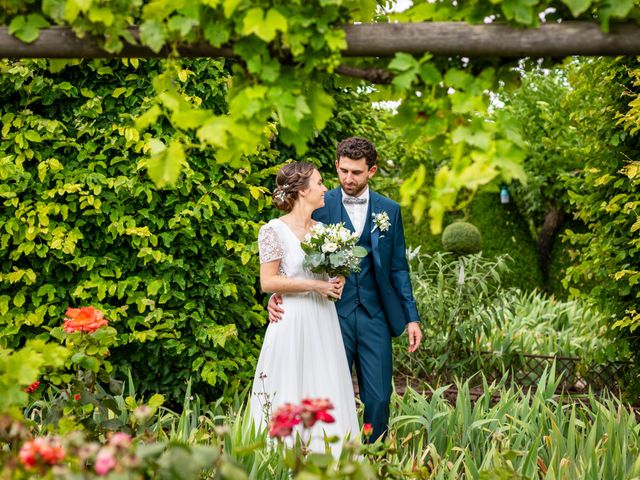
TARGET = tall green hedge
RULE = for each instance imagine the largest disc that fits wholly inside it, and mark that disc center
(175, 270)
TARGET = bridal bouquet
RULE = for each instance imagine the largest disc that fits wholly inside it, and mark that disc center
(332, 249)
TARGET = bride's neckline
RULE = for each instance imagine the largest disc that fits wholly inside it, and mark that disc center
(291, 231)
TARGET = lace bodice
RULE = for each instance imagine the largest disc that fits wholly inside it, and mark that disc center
(276, 241)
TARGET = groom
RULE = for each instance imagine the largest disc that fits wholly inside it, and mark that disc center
(377, 303)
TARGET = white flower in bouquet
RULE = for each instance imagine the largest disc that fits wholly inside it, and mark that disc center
(329, 247)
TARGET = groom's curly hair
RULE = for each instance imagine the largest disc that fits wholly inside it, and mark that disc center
(356, 148)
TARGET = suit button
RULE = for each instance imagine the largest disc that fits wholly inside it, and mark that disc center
(357, 302)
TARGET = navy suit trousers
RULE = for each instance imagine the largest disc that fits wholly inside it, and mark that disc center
(367, 341)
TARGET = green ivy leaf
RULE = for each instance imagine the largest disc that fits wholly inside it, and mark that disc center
(264, 26)
(27, 28)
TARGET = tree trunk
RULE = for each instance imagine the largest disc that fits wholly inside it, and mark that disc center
(552, 222)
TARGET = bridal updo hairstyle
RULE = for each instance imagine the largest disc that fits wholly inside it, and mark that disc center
(291, 178)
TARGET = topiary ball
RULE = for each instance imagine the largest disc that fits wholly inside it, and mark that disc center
(461, 238)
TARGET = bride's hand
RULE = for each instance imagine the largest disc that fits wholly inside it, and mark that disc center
(328, 288)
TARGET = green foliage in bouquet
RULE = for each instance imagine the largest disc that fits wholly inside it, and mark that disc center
(461, 238)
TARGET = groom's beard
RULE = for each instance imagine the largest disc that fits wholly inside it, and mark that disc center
(354, 190)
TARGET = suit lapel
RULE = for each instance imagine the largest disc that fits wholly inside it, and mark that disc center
(375, 232)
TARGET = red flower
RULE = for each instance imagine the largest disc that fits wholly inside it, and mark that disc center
(33, 387)
(315, 410)
(85, 319)
(367, 430)
(76, 397)
(41, 450)
(310, 411)
(283, 420)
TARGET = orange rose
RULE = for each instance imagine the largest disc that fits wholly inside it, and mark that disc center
(84, 319)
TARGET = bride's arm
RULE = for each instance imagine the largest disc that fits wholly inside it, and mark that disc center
(271, 282)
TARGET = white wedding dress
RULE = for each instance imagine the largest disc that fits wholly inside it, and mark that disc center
(303, 354)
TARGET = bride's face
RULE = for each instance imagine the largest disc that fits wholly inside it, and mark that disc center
(314, 193)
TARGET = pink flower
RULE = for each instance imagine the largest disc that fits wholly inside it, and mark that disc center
(105, 461)
(84, 319)
(41, 450)
(120, 439)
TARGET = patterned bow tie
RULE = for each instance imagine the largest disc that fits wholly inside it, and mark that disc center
(354, 201)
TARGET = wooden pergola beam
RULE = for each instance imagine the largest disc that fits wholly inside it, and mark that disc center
(380, 40)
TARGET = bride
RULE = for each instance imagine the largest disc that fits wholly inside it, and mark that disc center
(303, 354)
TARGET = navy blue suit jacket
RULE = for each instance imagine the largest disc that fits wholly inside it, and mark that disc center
(389, 255)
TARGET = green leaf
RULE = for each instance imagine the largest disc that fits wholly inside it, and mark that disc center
(230, 7)
(321, 105)
(165, 167)
(617, 8)
(577, 7)
(152, 34)
(18, 299)
(83, 5)
(519, 10)
(101, 15)
(54, 9)
(403, 62)
(147, 118)
(156, 400)
(27, 28)
(32, 136)
(264, 27)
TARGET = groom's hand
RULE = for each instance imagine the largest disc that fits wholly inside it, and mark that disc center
(415, 336)
(274, 308)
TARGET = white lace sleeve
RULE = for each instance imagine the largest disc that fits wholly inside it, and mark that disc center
(269, 244)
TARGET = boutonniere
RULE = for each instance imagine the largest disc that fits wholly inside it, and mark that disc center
(381, 221)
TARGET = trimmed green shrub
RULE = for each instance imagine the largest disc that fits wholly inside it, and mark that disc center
(505, 231)
(461, 238)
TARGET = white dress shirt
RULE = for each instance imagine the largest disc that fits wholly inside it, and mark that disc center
(357, 212)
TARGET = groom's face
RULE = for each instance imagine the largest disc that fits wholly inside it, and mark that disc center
(354, 175)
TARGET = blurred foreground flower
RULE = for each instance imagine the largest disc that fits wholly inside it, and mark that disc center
(33, 387)
(308, 412)
(41, 450)
(84, 319)
(315, 410)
